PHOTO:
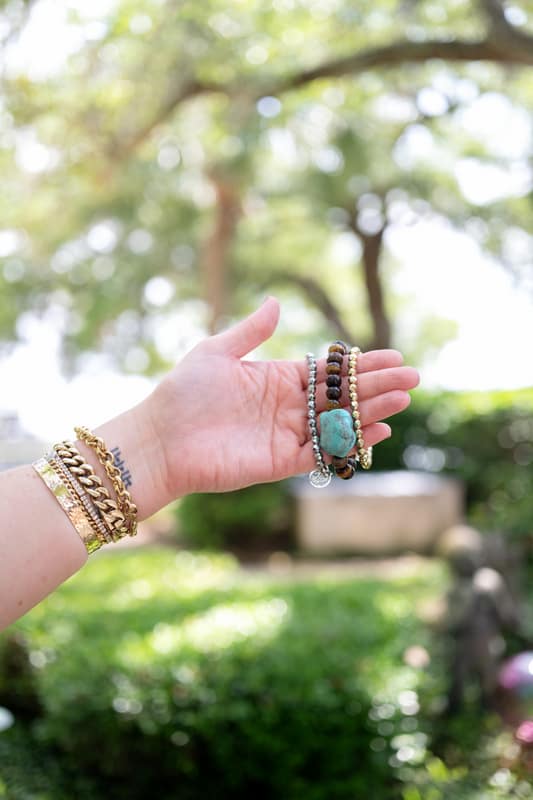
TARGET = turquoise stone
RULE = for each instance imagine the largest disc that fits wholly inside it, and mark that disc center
(337, 436)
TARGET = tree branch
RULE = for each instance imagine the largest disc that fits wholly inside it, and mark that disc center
(504, 36)
(318, 297)
(391, 55)
(26, 7)
(502, 45)
(493, 9)
(121, 145)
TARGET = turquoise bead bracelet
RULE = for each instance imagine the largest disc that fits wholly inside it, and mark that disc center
(337, 434)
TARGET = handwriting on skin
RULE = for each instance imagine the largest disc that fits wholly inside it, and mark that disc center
(125, 474)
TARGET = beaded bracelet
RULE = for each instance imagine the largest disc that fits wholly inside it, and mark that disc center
(364, 454)
(321, 475)
(337, 436)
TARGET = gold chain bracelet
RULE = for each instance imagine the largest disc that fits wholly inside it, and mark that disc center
(113, 518)
(106, 459)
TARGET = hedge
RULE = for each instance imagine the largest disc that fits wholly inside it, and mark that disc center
(180, 677)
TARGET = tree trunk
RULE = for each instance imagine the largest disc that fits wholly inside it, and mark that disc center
(374, 289)
(215, 261)
(372, 243)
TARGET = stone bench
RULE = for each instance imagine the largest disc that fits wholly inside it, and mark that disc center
(376, 512)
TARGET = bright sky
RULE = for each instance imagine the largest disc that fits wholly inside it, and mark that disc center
(449, 276)
(442, 271)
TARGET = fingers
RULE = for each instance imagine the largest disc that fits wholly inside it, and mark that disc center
(367, 362)
(247, 334)
(371, 384)
(376, 432)
(381, 381)
(384, 405)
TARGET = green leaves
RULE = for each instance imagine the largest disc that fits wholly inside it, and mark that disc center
(158, 101)
(225, 681)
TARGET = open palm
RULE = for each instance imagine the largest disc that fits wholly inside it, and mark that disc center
(224, 422)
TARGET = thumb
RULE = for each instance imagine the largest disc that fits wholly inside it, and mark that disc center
(249, 333)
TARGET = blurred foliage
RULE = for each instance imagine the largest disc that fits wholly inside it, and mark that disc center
(472, 757)
(244, 518)
(29, 771)
(116, 138)
(200, 681)
(483, 438)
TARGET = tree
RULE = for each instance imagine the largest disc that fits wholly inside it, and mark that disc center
(219, 147)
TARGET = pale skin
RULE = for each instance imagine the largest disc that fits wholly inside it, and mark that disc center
(216, 422)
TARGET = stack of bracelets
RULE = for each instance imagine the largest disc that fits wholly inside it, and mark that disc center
(340, 430)
(97, 517)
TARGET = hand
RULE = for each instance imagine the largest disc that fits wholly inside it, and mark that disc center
(223, 423)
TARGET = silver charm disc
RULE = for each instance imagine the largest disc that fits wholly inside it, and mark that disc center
(318, 479)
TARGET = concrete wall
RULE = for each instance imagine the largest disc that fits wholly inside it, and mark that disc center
(376, 513)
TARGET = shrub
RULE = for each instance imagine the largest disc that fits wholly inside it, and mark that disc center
(175, 676)
(485, 439)
(242, 518)
(28, 771)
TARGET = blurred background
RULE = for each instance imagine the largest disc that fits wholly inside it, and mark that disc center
(165, 166)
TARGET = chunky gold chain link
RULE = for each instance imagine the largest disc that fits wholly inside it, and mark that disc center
(106, 459)
(113, 518)
(64, 474)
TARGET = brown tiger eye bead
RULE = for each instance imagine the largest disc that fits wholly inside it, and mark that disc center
(348, 471)
(333, 380)
(333, 369)
(336, 348)
(342, 344)
(338, 462)
(331, 404)
(333, 392)
(335, 358)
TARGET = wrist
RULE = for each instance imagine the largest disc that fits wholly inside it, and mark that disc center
(132, 439)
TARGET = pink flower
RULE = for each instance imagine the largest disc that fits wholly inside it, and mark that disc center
(524, 732)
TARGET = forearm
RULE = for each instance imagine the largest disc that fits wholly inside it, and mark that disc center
(39, 546)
